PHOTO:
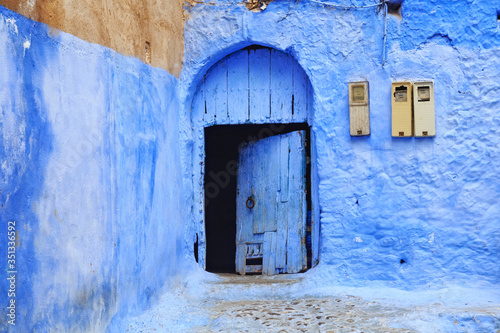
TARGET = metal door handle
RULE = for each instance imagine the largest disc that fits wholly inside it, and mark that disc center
(250, 202)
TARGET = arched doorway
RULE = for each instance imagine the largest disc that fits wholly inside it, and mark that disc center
(247, 108)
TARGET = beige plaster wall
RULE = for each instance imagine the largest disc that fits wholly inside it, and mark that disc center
(150, 30)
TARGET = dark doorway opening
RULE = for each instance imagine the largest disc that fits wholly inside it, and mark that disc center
(222, 143)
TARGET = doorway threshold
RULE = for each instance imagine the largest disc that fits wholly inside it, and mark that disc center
(233, 278)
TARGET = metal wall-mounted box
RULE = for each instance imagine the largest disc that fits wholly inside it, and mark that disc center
(423, 109)
(401, 96)
(359, 108)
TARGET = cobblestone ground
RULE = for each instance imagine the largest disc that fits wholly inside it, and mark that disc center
(303, 315)
(232, 303)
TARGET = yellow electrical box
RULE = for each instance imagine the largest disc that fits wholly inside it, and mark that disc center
(423, 109)
(359, 108)
(401, 96)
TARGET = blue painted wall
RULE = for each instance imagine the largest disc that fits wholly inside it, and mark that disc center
(433, 202)
(90, 173)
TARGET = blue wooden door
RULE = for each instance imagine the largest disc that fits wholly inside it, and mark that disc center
(271, 206)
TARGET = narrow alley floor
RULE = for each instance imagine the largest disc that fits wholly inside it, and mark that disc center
(231, 303)
(303, 315)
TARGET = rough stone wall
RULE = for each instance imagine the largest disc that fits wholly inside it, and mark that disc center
(149, 30)
(401, 212)
(90, 174)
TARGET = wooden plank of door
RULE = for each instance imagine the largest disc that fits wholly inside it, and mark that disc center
(237, 80)
(265, 183)
(300, 98)
(221, 113)
(240, 259)
(315, 205)
(284, 167)
(198, 106)
(216, 93)
(259, 80)
(258, 184)
(297, 206)
(282, 207)
(244, 215)
(310, 99)
(281, 86)
(254, 269)
(269, 259)
(281, 234)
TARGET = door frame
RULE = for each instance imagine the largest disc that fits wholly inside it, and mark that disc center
(197, 162)
(199, 156)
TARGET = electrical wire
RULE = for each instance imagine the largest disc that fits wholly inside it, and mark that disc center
(316, 1)
(289, 12)
(217, 3)
(385, 34)
(350, 7)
